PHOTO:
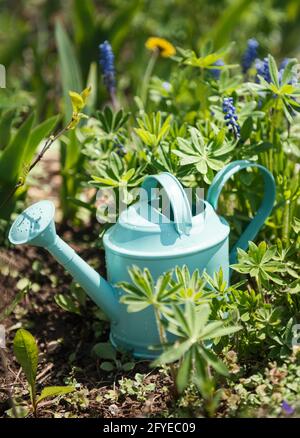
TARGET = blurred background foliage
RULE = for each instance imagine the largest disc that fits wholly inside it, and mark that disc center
(52, 46)
(31, 33)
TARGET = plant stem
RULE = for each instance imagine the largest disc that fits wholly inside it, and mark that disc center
(33, 400)
(260, 289)
(163, 340)
(147, 76)
(49, 142)
(286, 221)
(113, 98)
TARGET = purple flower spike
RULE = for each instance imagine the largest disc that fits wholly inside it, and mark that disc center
(262, 68)
(250, 54)
(284, 63)
(230, 116)
(108, 67)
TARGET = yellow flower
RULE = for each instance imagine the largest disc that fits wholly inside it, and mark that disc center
(161, 45)
(78, 103)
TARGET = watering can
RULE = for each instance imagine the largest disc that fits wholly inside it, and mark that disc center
(200, 241)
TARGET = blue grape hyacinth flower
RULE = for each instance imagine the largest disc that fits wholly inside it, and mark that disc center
(262, 69)
(284, 63)
(108, 66)
(250, 54)
(230, 116)
(216, 72)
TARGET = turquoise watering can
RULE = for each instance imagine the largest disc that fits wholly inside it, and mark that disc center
(199, 241)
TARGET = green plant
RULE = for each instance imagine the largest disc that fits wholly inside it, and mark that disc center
(11, 307)
(73, 302)
(280, 91)
(204, 155)
(143, 292)
(190, 325)
(260, 263)
(152, 129)
(26, 352)
(194, 330)
(105, 351)
(136, 387)
(268, 392)
(120, 176)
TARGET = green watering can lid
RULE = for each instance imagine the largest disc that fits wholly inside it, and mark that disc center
(144, 231)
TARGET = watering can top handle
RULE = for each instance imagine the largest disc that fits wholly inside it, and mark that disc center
(177, 197)
(264, 210)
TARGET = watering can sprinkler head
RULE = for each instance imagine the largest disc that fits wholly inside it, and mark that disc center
(35, 226)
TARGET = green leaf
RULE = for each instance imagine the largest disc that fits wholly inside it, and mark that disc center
(134, 305)
(212, 360)
(54, 391)
(105, 350)
(143, 280)
(288, 71)
(200, 365)
(26, 352)
(5, 127)
(201, 315)
(11, 160)
(69, 67)
(165, 128)
(105, 181)
(296, 225)
(128, 366)
(247, 128)
(173, 353)
(128, 175)
(215, 330)
(67, 303)
(184, 372)
(10, 307)
(262, 147)
(201, 166)
(107, 366)
(148, 138)
(273, 71)
(108, 115)
(20, 411)
(181, 318)
(162, 284)
(92, 81)
(38, 134)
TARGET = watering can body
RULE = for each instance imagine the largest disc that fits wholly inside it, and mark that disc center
(159, 252)
(145, 237)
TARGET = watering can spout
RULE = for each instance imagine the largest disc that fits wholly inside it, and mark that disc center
(36, 226)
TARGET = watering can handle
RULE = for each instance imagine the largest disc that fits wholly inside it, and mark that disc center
(177, 197)
(264, 210)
